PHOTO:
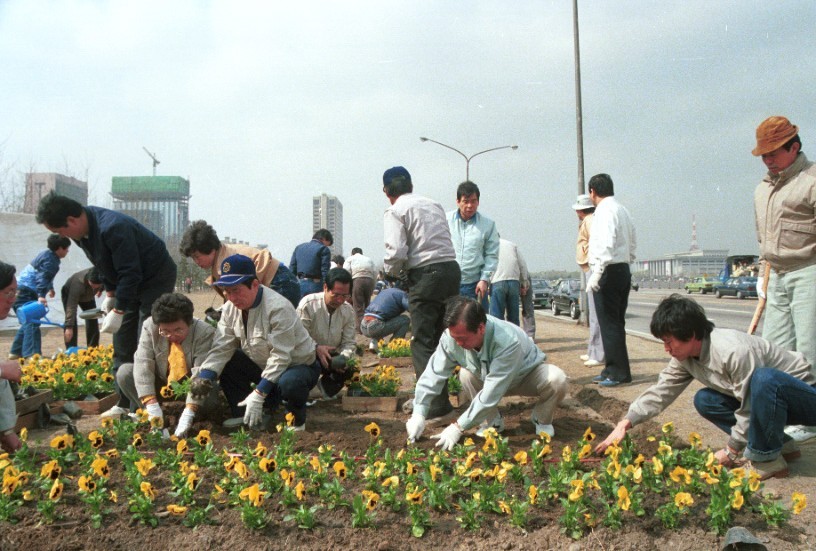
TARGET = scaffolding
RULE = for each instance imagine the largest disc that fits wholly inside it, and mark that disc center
(160, 203)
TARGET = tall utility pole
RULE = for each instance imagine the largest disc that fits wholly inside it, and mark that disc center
(579, 123)
(152, 156)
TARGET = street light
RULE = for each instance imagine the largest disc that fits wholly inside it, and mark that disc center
(467, 159)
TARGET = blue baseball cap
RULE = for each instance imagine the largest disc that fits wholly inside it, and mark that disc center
(395, 172)
(236, 269)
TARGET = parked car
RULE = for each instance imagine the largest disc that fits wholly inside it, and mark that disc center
(541, 293)
(740, 287)
(566, 298)
(701, 285)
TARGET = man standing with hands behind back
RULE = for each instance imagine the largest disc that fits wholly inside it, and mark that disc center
(785, 208)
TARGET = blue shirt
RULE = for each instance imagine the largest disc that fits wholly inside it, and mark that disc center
(388, 304)
(311, 259)
(39, 275)
(476, 242)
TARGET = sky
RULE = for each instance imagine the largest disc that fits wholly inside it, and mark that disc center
(263, 105)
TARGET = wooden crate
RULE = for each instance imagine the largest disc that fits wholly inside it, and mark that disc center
(362, 404)
(89, 407)
(32, 403)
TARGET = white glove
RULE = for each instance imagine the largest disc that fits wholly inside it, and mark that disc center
(112, 322)
(594, 282)
(185, 422)
(759, 285)
(254, 408)
(448, 437)
(154, 410)
(415, 426)
(108, 304)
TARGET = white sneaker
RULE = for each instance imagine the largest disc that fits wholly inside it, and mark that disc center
(496, 423)
(584, 357)
(115, 411)
(800, 433)
(593, 363)
(372, 345)
(541, 427)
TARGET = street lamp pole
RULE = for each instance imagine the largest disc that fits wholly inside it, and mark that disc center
(468, 159)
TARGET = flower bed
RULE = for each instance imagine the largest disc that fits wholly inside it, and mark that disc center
(396, 348)
(88, 372)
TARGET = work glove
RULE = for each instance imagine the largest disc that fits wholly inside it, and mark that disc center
(594, 282)
(448, 437)
(253, 417)
(154, 410)
(112, 322)
(415, 426)
(760, 284)
(185, 422)
(202, 384)
(108, 304)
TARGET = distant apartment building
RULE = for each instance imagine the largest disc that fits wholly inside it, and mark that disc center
(40, 184)
(327, 212)
(161, 203)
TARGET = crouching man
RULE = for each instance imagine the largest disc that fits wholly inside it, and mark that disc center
(498, 359)
(9, 370)
(752, 387)
(172, 347)
(258, 327)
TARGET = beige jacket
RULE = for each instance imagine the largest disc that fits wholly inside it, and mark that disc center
(785, 208)
(266, 266)
(727, 361)
(335, 330)
(582, 246)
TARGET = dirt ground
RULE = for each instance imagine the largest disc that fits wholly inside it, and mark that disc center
(587, 405)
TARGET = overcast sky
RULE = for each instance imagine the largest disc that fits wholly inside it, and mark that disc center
(264, 104)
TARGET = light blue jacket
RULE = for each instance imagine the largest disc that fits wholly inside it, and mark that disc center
(476, 242)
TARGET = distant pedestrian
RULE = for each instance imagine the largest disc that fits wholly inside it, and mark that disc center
(611, 250)
(363, 272)
(36, 281)
(505, 284)
(419, 251)
(311, 262)
(81, 291)
(384, 316)
(528, 318)
(585, 209)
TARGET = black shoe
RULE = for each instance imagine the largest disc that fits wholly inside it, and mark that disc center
(609, 383)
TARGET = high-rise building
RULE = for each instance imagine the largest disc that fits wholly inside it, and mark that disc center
(39, 184)
(327, 212)
(161, 203)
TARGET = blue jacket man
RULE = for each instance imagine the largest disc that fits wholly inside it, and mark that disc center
(311, 262)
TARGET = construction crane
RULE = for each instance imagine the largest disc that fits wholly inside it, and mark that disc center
(152, 156)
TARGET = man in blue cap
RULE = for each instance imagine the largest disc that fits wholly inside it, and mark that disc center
(266, 345)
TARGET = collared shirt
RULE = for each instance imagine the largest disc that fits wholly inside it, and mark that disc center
(476, 242)
(273, 337)
(727, 360)
(39, 275)
(360, 266)
(151, 360)
(126, 253)
(388, 304)
(785, 208)
(582, 245)
(612, 240)
(76, 289)
(511, 265)
(336, 329)
(311, 259)
(506, 357)
(266, 266)
(416, 234)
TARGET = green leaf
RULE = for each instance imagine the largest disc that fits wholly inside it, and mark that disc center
(417, 531)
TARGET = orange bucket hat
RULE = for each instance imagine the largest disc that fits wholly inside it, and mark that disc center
(772, 134)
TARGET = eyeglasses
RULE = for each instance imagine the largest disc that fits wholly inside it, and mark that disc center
(11, 294)
(178, 332)
(343, 295)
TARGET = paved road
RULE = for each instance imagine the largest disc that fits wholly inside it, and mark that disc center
(726, 312)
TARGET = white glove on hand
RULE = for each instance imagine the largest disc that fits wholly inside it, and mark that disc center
(254, 408)
(448, 437)
(185, 422)
(154, 410)
(594, 282)
(759, 285)
(108, 304)
(415, 426)
(112, 322)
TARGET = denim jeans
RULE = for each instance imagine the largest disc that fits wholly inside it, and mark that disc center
(374, 328)
(28, 340)
(469, 290)
(307, 287)
(777, 400)
(504, 300)
(286, 284)
(790, 313)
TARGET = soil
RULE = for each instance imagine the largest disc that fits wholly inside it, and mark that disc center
(564, 341)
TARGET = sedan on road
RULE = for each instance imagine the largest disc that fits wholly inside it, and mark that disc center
(541, 293)
(740, 287)
(566, 298)
(700, 285)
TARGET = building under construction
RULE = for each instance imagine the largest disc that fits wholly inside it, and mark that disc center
(161, 203)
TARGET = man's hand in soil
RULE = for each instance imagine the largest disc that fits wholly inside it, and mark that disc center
(202, 384)
(448, 437)
(616, 436)
(324, 353)
(415, 426)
